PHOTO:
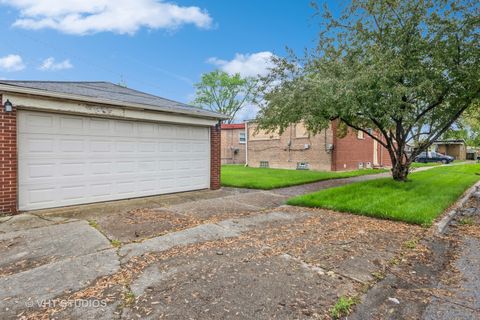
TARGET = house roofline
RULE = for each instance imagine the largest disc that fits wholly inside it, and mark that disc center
(232, 126)
(5, 88)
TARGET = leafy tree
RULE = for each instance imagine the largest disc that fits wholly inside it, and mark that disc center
(227, 94)
(406, 68)
(466, 128)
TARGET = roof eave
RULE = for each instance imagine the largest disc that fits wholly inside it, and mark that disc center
(74, 97)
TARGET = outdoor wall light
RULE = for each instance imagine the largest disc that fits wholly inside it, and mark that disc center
(8, 106)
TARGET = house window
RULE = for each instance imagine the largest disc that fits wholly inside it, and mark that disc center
(242, 137)
(360, 135)
(302, 166)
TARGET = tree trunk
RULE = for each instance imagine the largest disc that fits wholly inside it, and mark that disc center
(400, 161)
(400, 171)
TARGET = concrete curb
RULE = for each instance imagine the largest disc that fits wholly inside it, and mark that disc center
(442, 225)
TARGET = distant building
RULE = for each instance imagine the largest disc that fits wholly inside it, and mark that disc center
(233, 143)
(456, 148)
(296, 148)
(472, 153)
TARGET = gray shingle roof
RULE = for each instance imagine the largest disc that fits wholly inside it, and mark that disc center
(114, 93)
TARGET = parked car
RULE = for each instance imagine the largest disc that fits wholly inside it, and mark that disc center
(433, 157)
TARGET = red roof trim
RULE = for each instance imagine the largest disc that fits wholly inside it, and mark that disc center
(233, 126)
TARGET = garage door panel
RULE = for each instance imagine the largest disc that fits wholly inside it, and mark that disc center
(66, 160)
(69, 145)
(39, 145)
(101, 189)
(73, 192)
(38, 123)
(100, 127)
(73, 169)
(71, 124)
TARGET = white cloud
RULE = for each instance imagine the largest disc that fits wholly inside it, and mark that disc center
(12, 62)
(248, 65)
(49, 64)
(249, 112)
(119, 16)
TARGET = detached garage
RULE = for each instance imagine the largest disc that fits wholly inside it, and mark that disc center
(70, 143)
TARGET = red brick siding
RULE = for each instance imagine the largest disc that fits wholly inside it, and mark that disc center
(230, 142)
(8, 160)
(215, 157)
(350, 151)
(384, 157)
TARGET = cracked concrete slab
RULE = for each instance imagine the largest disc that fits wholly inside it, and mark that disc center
(108, 312)
(26, 289)
(151, 276)
(236, 203)
(27, 221)
(240, 284)
(50, 242)
(95, 211)
(248, 223)
(202, 233)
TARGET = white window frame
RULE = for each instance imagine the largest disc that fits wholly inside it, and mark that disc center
(240, 140)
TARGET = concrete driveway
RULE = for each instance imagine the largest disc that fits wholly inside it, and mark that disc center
(205, 255)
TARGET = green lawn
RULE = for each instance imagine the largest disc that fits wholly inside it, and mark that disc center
(431, 164)
(266, 179)
(427, 164)
(423, 198)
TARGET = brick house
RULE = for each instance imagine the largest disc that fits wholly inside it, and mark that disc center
(71, 143)
(233, 143)
(296, 148)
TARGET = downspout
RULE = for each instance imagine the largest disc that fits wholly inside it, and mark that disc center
(381, 156)
(246, 143)
(334, 143)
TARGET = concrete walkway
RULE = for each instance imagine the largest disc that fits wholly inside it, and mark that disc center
(320, 185)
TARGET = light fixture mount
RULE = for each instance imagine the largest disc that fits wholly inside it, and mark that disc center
(8, 106)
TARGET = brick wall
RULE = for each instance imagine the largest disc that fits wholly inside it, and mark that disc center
(8, 160)
(351, 150)
(215, 157)
(385, 159)
(286, 150)
(230, 142)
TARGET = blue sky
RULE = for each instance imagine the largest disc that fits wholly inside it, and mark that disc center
(160, 47)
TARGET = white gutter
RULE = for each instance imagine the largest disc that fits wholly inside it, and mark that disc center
(246, 143)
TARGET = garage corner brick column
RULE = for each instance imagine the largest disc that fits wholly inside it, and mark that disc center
(8, 160)
(215, 157)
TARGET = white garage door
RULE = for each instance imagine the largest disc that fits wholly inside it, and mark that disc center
(66, 160)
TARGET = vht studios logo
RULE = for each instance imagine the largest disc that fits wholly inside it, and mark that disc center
(78, 303)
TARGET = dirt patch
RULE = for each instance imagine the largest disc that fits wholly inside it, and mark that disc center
(141, 223)
(351, 244)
